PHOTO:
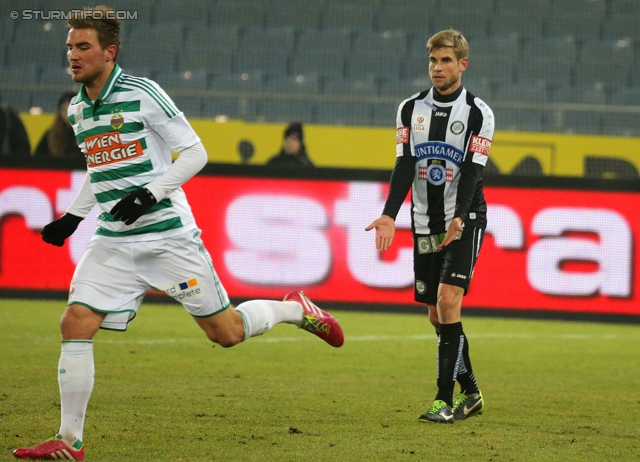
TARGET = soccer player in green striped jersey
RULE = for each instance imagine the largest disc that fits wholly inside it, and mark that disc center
(146, 238)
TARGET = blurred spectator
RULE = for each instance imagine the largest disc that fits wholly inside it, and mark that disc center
(293, 152)
(14, 141)
(245, 150)
(60, 141)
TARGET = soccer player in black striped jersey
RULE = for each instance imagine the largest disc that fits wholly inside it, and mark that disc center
(443, 139)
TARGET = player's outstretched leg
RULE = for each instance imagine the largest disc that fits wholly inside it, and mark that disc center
(53, 449)
(317, 321)
(439, 412)
(467, 404)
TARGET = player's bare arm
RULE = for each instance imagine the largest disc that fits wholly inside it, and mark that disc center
(385, 227)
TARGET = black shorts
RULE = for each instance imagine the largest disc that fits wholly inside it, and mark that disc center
(452, 265)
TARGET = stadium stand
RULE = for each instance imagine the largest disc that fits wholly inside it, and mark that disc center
(260, 59)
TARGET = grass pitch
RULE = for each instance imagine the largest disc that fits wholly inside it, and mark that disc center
(554, 390)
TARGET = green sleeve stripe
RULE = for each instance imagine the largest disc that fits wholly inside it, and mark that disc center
(129, 127)
(111, 108)
(157, 90)
(166, 105)
(122, 172)
(163, 204)
(121, 89)
(172, 223)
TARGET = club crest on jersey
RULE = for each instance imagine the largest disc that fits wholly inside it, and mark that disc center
(117, 120)
(436, 174)
(457, 127)
(421, 287)
(185, 290)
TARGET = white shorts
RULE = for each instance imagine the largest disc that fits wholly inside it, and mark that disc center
(113, 277)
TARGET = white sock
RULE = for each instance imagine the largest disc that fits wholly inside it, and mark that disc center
(258, 316)
(76, 374)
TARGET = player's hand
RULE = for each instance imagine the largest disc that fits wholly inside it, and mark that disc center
(58, 230)
(385, 228)
(133, 206)
(454, 228)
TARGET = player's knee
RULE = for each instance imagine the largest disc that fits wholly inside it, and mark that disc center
(225, 339)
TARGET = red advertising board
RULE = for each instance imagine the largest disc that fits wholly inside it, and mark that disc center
(545, 249)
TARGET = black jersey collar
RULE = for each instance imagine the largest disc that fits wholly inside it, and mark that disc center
(446, 98)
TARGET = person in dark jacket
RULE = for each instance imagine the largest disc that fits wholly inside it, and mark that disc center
(60, 141)
(293, 152)
(14, 141)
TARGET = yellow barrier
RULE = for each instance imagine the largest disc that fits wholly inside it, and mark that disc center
(374, 147)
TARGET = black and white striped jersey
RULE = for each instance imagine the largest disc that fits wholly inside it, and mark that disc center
(442, 145)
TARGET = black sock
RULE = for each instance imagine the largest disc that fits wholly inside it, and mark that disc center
(465, 378)
(448, 346)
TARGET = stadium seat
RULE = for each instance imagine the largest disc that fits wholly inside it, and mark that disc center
(190, 81)
(372, 65)
(626, 97)
(150, 55)
(232, 107)
(504, 47)
(336, 41)
(297, 16)
(25, 73)
(416, 5)
(402, 89)
(206, 39)
(530, 7)
(384, 114)
(530, 92)
(480, 6)
(471, 24)
(554, 48)
(351, 87)
(240, 14)
(403, 19)
(42, 51)
(587, 123)
(148, 36)
(635, 76)
(274, 63)
(619, 26)
(344, 114)
(267, 40)
(208, 59)
(518, 120)
(415, 67)
(521, 25)
(599, 51)
(17, 99)
(583, 94)
(611, 75)
(588, 7)
(286, 111)
(197, 14)
(579, 25)
(370, 4)
(354, 18)
(326, 64)
(190, 105)
(480, 88)
(60, 78)
(554, 73)
(381, 43)
(497, 70)
(297, 85)
(6, 31)
(621, 124)
(248, 82)
(625, 7)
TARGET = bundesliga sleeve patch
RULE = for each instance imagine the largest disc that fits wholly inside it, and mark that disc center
(480, 145)
(402, 135)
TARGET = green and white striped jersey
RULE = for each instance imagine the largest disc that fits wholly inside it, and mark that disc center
(127, 136)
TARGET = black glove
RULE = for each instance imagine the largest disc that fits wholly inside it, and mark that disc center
(133, 206)
(58, 230)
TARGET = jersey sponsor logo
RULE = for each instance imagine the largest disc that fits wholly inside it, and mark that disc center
(419, 127)
(436, 174)
(441, 114)
(449, 175)
(185, 290)
(117, 120)
(402, 135)
(107, 148)
(439, 150)
(457, 127)
(480, 145)
(419, 119)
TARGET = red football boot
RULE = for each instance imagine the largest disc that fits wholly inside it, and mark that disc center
(318, 321)
(53, 449)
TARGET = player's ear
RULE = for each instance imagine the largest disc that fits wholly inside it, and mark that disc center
(464, 62)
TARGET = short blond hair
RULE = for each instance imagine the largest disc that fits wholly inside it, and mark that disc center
(450, 38)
